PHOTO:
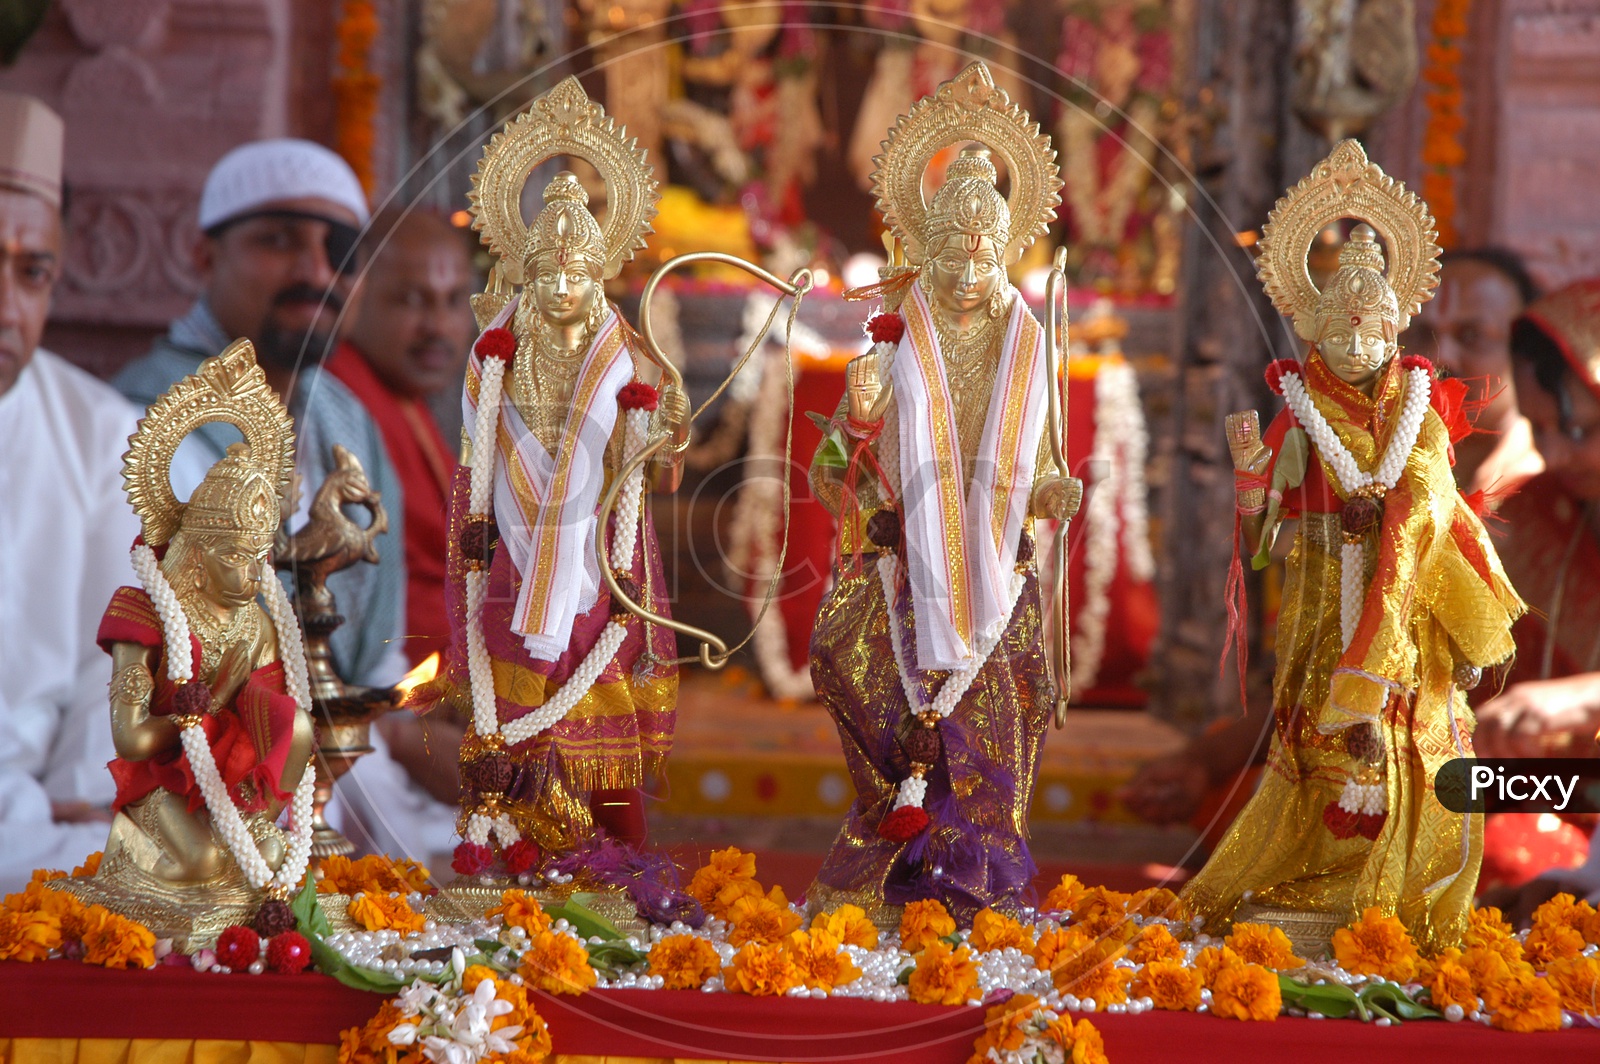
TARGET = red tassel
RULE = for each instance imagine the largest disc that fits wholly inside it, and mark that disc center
(903, 824)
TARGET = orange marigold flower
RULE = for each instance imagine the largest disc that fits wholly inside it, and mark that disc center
(1564, 911)
(369, 1044)
(924, 922)
(28, 936)
(373, 874)
(557, 964)
(45, 875)
(1376, 945)
(992, 931)
(762, 969)
(1004, 1027)
(1213, 961)
(944, 976)
(1064, 895)
(849, 924)
(1097, 903)
(114, 941)
(1247, 992)
(91, 865)
(685, 962)
(722, 868)
(1265, 945)
(384, 912)
(1508, 950)
(1079, 1040)
(1169, 984)
(1577, 980)
(1451, 984)
(1157, 901)
(1552, 942)
(731, 894)
(1155, 943)
(1059, 946)
(1487, 967)
(1427, 966)
(1090, 971)
(1524, 1002)
(821, 962)
(759, 919)
(518, 908)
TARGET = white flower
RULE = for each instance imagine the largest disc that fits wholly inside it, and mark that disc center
(458, 961)
(445, 1051)
(403, 1034)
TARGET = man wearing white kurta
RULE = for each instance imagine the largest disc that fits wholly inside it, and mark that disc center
(66, 527)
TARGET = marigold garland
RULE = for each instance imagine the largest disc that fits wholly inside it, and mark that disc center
(372, 875)
(923, 923)
(518, 908)
(1265, 945)
(992, 930)
(822, 964)
(1442, 151)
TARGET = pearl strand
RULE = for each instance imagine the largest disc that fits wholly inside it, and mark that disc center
(174, 622)
(291, 648)
(1413, 412)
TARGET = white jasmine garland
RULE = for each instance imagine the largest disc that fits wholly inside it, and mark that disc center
(624, 543)
(225, 816)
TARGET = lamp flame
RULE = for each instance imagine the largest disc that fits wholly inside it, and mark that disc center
(425, 670)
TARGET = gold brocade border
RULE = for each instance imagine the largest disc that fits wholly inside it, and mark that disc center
(216, 1051)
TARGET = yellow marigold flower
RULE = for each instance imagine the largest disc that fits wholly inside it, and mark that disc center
(1059, 946)
(924, 922)
(1097, 905)
(28, 936)
(1552, 942)
(1155, 943)
(1213, 960)
(1577, 980)
(1508, 950)
(1427, 966)
(1064, 895)
(821, 962)
(1079, 1040)
(731, 894)
(1088, 969)
(1004, 1027)
(114, 941)
(557, 964)
(1563, 910)
(91, 865)
(762, 969)
(518, 908)
(685, 962)
(723, 867)
(383, 912)
(373, 874)
(992, 931)
(1376, 945)
(1524, 1002)
(944, 976)
(1247, 992)
(759, 919)
(1451, 984)
(1170, 985)
(1157, 901)
(45, 875)
(849, 924)
(1485, 923)
(1265, 945)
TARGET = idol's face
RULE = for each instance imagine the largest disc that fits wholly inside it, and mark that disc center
(1357, 350)
(231, 573)
(564, 289)
(965, 272)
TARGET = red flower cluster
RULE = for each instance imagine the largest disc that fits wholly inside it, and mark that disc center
(1347, 825)
(470, 859)
(886, 328)
(288, 953)
(903, 824)
(497, 343)
(637, 395)
(521, 856)
(1275, 371)
(1410, 362)
(238, 947)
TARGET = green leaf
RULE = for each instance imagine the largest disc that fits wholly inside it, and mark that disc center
(831, 454)
(1390, 1000)
(586, 923)
(1333, 1000)
(313, 923)
(904, 978)
(614, 957)
(490, 946)
(309, 918)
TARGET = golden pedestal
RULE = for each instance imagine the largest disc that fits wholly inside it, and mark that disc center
(467, 899)
(1310, 931)
(192, 915)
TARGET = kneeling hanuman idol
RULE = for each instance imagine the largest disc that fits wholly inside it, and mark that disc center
(1393, 602)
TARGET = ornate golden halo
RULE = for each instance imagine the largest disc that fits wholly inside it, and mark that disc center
(564, 121)
(967, 107)
(1347, 185)
(229, 387)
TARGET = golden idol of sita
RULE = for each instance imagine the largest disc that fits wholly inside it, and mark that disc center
(570, 694)
(931, 650)
(209, 694)
(1393, 602)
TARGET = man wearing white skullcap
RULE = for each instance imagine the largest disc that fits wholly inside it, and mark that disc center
(277, 262)
(278, 259)
(66, 528)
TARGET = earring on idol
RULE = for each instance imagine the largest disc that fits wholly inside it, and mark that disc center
(998, 302)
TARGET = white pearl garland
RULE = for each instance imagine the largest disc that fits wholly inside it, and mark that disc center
(624, 541)
(225, 817)
(912, 790)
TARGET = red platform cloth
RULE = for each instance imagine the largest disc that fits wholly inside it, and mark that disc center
(65, 999)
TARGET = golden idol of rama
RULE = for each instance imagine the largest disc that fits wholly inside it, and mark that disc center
(571, 695)
(1394, 600)
(209, 694)
(930, 650)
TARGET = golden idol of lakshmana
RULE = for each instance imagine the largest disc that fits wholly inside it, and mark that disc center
(571, 695)
(929, 651)
(209, 692)
(1393, 602)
